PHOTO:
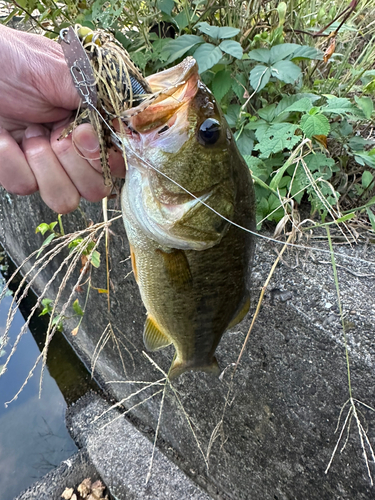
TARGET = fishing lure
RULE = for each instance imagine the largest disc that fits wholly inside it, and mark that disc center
(107, 81)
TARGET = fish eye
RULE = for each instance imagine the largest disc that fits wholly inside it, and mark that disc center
(209, 131)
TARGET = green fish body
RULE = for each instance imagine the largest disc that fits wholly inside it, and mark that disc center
(191, 264)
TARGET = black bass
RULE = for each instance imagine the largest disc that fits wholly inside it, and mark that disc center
(192, 265)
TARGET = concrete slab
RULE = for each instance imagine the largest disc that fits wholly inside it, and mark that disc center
(122, 455)
(278, 427)
(70, 473)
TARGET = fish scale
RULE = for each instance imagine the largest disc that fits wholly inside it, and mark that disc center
(191, 265)
(192, 268)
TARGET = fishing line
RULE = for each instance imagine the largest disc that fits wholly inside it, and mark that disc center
(121, 144)
(268, 238)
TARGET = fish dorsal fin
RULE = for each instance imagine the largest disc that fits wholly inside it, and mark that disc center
(177, 268)
(153, 337)
(241, 314)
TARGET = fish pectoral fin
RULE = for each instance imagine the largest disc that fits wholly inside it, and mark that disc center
(153, 337)
(241, 314)
(177, 268)
(179, 367)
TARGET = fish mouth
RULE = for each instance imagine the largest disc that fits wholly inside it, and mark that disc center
(172, 89)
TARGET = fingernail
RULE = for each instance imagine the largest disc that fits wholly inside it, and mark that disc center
(86, 141)
(34, 131)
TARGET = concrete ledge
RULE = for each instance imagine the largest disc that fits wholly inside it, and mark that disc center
(121, 455)
(278, 431)
(70, 473)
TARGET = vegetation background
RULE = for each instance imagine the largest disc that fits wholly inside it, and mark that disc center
(296, 88)
(295, 81)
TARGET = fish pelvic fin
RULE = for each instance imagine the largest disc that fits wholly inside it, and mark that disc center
(179, 367)
(241, 314)
(153, 337)
(177, 268)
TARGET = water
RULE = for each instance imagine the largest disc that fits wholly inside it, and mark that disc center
(33, 435)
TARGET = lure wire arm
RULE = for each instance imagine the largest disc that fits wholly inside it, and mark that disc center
(79, 66)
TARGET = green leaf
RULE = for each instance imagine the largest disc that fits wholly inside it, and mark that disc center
(260, 130)
(232, 114)
(215, 32)
(371, 216)
(178, 47)
(77, 308)
(302, 106)
(258, 167)
(341, 106)
(277, 138)
(207, 55)
(358, 143)
(367, 178)
(366, 157)
(42, 228)
(281, 51)
(321, 165)
(221, 84)
(228, 32)
(366, 105)
(51, 226)
(306, 52)
(57, 320)
(286, 71)
(245, 141)
(268, 112)
(260, 55)
(315, 125)
(259, 77)
(255, 124)
(165, 6)
(95, 258)
(182, 20)
(232, 48)
(45, 243)
(211, 31)
(47, 306)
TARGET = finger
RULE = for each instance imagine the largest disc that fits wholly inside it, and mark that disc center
(55, 186)
(86, 141)
(15, 174)
(88, 181)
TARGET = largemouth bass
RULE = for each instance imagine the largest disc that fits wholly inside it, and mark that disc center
(191, 264)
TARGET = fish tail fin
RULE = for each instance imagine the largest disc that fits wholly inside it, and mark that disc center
(178, 367)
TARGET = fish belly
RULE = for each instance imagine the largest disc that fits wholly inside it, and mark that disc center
(192, 296)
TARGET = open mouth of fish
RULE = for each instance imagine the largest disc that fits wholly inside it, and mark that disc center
(162, 123)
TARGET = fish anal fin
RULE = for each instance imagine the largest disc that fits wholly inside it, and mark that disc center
(153, 337)
(177, 268)
(134, 265)
(241, 314)
(179, 367)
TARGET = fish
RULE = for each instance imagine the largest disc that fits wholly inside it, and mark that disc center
(188, 207)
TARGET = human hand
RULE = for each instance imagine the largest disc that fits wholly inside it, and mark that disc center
(37, 97)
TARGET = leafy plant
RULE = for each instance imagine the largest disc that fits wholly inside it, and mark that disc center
(275, 86)
(48, 308)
